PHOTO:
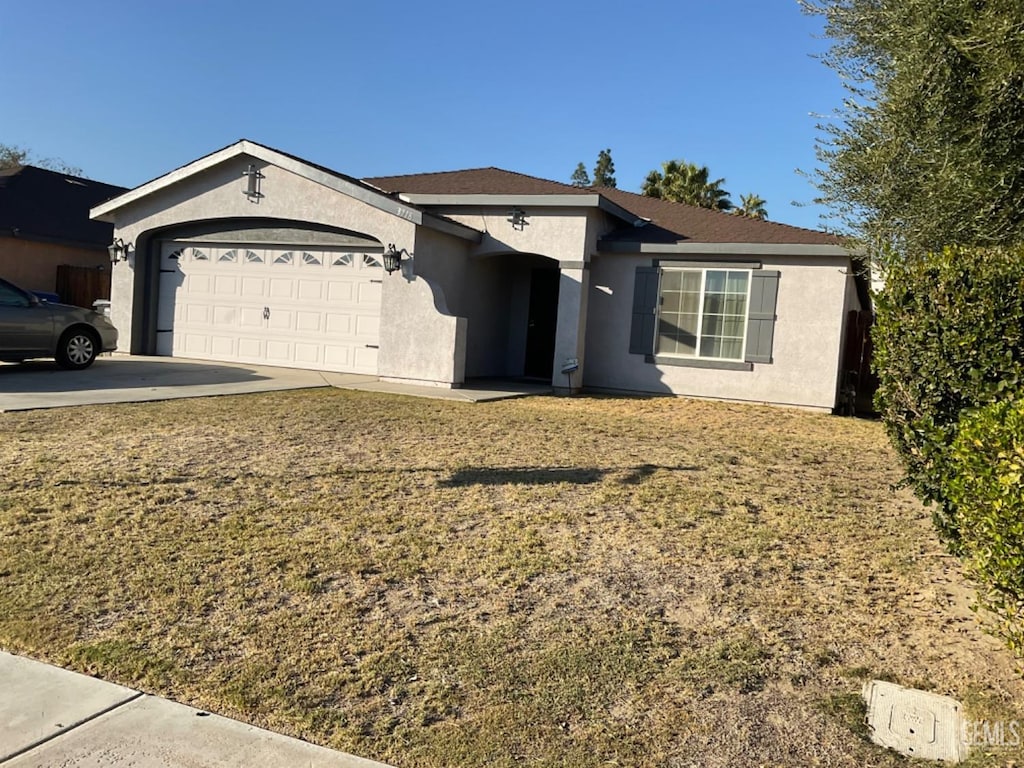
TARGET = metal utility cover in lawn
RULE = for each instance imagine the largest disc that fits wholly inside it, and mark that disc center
(914, 723)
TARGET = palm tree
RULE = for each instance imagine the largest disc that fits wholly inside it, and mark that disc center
(752, 206)
(684, 182)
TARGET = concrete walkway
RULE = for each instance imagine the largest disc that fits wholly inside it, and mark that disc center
(132, 379)
(51, 717)
(475, 391)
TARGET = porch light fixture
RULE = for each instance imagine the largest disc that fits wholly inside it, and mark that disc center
(118, 250)
(517, 218)
(252, 189)
(393, 258)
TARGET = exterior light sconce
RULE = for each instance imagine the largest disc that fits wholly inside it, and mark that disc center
(517, 218)
(393, 258)
(118, 250)
(252, 189)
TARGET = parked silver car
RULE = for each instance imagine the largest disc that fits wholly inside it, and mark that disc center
(30, 327)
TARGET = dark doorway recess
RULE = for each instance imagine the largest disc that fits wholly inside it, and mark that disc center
(541, 323)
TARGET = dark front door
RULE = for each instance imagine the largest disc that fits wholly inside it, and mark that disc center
(543, 319)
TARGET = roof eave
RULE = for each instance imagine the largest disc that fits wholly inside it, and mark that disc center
(730, 249)
(486, 200)
(532, 201)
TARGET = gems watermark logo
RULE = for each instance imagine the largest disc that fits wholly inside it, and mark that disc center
(991, 733)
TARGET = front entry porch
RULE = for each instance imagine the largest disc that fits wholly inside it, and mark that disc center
(526, 317)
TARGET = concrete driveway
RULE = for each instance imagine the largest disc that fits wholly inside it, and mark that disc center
(135, 379)
(126, 379)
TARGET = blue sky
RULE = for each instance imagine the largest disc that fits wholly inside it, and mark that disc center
(130, 90)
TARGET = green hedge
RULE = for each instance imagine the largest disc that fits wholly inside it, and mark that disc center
(986, 487)
(949, 336)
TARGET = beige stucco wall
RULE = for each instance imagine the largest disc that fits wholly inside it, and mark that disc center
(812, 304)
(557, 233)
(569, 237)
(423, 338)
(452, 310)
(33, 265)
(217, 193)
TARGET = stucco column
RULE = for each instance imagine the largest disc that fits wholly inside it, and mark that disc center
(571, 332)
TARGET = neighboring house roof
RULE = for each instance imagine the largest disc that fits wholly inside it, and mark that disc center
(670, 222)
(38, 204)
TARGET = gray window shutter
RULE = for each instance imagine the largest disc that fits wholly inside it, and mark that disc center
(764, 292)
(645, 311)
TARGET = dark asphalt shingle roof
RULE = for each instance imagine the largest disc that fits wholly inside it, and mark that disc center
(36, 203)
(669, 222)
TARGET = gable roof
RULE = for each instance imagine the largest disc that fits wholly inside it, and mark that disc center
(39, 204)
(317, 173)
(670, 223)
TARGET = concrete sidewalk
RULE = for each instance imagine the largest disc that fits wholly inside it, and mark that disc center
(49, 717)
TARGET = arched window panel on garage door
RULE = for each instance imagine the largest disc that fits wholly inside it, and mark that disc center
(374, 262)
(343, 260)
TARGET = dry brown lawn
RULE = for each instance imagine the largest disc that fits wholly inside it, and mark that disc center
(540, 582)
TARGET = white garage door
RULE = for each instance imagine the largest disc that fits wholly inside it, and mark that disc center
(297, 307)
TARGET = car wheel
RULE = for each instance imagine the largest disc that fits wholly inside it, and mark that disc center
(77, 349)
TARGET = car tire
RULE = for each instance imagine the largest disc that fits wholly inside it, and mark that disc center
(77, 349)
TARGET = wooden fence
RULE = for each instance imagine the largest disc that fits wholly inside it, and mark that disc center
(857, 371)
(81, 286)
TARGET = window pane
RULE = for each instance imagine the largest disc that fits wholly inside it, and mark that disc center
(712, 325)
(715, 281)
(710, 347)
(691, 281)
(670, 301)
(737, 282)
(667, 344)
(733, 326)
(731, 349)
(714, 303)
(690, 303)
(687, 345)
(736, 305)
(667, 326)
(671, 280)
(11, 297)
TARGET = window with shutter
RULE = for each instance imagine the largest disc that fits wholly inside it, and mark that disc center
(704, 315)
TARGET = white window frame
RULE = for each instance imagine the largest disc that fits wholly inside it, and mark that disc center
(700, 314)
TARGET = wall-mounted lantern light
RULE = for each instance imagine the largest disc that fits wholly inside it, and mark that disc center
(393, 258)
(118, 250)
(517, 218)
(252, 188)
